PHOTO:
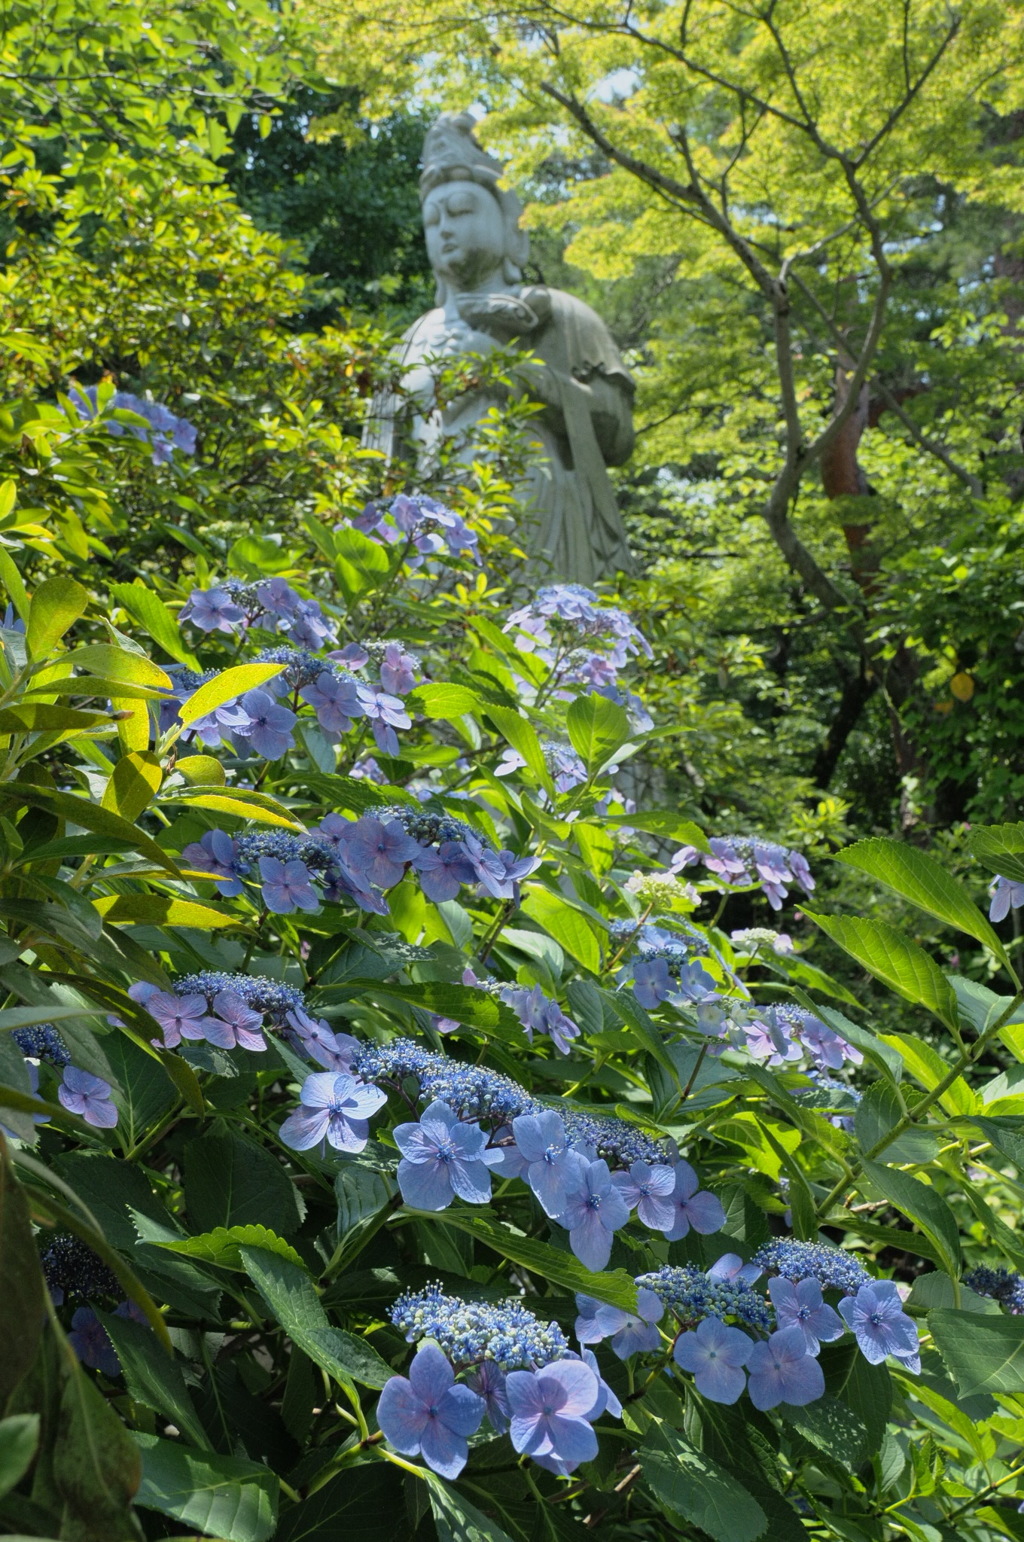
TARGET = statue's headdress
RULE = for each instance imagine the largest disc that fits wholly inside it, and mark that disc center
(452, 154)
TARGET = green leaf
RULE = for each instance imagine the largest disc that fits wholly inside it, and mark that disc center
(241, 802)
(569, 927)
(698, 1489)
(597, 728)
(223, 1246)
(927, 1066)
(878, 1111)
(923, 1205)
(347, 1509)
(831, 1426)
(154, 617)
(291, 1296)
(895, 960)
(459, 1521)
(1005, 1134)
(664, 822)
(26, 1017)
(90, 816)
(517, 732)
(225, 687)
(923, 880)
(232, 1181)
(982, 1354)
(119, 664)
(19, 1437)
(21, 1283)
(162, 910)
(1000, 848)
(56, 605)
(442, 701)
(152, 1376)
(226, 1496)
(616, 1288)
(361, 1193)
(133, 784)
(646, 1032)
(95, 1462)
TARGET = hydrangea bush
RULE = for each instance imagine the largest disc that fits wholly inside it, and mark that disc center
(397, 1124)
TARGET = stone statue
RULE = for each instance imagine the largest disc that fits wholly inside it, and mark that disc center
(477, 252)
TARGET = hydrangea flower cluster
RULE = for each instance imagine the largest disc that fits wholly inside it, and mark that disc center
(271, 605)
(831, 1267)
(782, 1034)
(73, 1272)
(518, 1372)
(166, 431)
(80, 1092)
(560, 615)
(746, 861)
(1003, 1285)
(427, 528)
(234, 1011)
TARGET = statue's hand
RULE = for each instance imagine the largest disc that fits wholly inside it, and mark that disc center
(502, 316)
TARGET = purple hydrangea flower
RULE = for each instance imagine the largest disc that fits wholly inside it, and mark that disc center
(429, 1414)
(88, 1338)
(180, 1017)
(335, 1108)
(489, 1383)
(606, 1398)
(212, 610)
(594, 1211)
(214, 853)
(397, 670)
(692, 1206)
(386, 713)
(550, 1412)
(877, 1318)
(442, 1158)
(551, 1167)
(801, 1306)
(286, 886)
(649, 1191)
(378, 852)
(270, 725)
(443, 872)
(782, 1371)
(335, 701)
(1006, 895)
(731, 1270)
(89, 1096)
(243, 1027)
(630, 1335)
(652, 983)
(715, 1356)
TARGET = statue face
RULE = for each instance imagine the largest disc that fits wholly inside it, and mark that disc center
(465, 233)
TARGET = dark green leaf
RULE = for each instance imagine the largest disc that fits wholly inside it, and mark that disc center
(616, 1288)
(21, 1283)
(350, 1506)
(232, 1181)
(290, 1295)
(698, 1489)
(222, 1495)
(1000, 848)
(982, 1354)
(459, 1521)
(152, 1375)
(831, 1426)
(19, 1437)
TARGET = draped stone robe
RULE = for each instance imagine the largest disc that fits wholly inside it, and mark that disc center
(585, 427)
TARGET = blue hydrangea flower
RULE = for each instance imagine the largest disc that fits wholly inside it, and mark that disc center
(472, 1091)
(552, 1167)
(378, 851)
(335, 700)
(781, 1371)
(71, 1268)
(649, 1191)
(443, 872)
(286, 887)
(270, 725)
(693, 1295)
(212, 610)
(550, 1411)
(630, 1335)
(1003, 1285)
(214, 853)
(180, 1017)
(692, 1206)
(594, 1211)
(1007, 894)
(429, 1414)
(242, 1026)
(335, 1108)
(488, 1382)
(442, 1158)
(715, 1355)
(801, 1306)
(506, 1333)
(879, 1322)
(88, 1096)
(43, 1042)
(91, 1343)
(731, 1270)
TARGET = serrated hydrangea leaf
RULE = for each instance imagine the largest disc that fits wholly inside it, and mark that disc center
(152, 1375)
(922, 879)
(597, 728)
(233, 1181)
(225, 687)
(1000, 848)
(982, 1354)
(698, 1489)
(459, 1521)
(361, 1193)
(290, 1294)
(923, 1204)
(225, 1496)
(223, 1246)
(895, 959)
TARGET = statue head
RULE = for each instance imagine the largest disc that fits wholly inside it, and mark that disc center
(471, 221)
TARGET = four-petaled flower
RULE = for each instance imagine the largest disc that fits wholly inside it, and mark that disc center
(881, 1326)
(333, 1107)
(594, 1211)
(378, 852)
(630, 1335)
(428, 1413)
(552, 1168)
(286, 886)
(782, 1371)
(269, 731)
(801, 1306)
(550, 1412)
(88, 1096)
(692, 1206)
(442, 1158)
(648, 1190)
(715, 1355)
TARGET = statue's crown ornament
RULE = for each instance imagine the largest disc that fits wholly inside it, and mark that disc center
(451, 153)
